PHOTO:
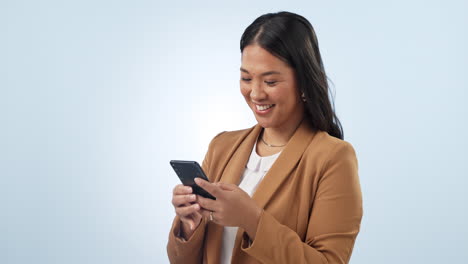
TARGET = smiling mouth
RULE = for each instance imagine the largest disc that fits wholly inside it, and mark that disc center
(264, 107)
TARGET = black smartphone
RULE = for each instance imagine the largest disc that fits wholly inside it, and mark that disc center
(187, 171)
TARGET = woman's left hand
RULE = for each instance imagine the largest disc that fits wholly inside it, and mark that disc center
(232, 207)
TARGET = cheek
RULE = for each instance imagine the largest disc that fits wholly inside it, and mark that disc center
(278, 95)
(245, 91)
(285, 96)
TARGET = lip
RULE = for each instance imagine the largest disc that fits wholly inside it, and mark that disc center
(263, 112)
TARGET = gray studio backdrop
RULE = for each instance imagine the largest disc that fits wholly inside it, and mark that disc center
(97, 96)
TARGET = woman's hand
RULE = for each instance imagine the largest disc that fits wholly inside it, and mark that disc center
(232, 207)
(185, 207)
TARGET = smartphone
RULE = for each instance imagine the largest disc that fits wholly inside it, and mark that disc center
(187, 171)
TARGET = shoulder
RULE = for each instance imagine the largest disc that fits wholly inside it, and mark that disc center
(325, 149)
(222, 145)
(228, 138)
(324, 141)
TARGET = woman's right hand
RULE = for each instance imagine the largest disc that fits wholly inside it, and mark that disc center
(187, 209)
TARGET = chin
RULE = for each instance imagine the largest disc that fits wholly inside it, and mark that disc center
(264, 123)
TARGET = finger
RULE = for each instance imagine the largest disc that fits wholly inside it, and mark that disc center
(185, 211)
(182, 189)
(205, 213)
(226, 186)
(207, 203)
(209, 187)
(178, 200)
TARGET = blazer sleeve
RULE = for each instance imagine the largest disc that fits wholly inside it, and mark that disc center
(334, 220)
(190, 251)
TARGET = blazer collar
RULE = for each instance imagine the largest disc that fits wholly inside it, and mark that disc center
(284, 164)
(236, 160)
(280, 169)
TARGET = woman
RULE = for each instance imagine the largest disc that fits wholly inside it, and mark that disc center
(287, 190)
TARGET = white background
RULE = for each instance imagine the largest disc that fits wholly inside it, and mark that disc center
(97, 96)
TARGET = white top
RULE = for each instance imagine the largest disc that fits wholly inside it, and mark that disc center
(254, 172)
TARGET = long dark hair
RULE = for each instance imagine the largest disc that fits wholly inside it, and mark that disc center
(291, 38)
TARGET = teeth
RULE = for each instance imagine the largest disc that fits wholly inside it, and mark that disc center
(264, 107)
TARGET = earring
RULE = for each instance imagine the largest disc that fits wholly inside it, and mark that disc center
(303, 98)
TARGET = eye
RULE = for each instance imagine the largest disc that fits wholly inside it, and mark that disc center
(271, 83)
(246, 79)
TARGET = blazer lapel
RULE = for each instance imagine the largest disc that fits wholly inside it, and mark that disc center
(239, 154)
(284, 164)
(279, 172)
(234, 169)
(234, 165)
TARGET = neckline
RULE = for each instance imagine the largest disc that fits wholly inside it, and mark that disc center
(258, 163)
(254, 150)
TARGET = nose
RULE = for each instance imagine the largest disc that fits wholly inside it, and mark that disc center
(257, 93)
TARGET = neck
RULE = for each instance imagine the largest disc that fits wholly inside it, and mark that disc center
(281, 135)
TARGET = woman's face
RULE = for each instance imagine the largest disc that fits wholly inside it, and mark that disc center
(269, 87)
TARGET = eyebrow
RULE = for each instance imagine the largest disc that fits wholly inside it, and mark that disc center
(263, 74)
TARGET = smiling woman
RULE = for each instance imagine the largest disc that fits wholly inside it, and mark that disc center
(287, 189)
(269, 87)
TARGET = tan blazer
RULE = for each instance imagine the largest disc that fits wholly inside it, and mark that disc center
(311, 198)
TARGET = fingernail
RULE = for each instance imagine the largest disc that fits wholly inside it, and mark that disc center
(189, 189)
(192, 197)
(197, 180)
